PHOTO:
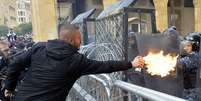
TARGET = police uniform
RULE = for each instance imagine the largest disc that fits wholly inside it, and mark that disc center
(190, 64)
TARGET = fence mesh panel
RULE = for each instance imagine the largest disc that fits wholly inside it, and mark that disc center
(108, 46)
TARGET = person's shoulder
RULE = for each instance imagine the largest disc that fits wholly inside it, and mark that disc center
(39, 44)
(79, 56)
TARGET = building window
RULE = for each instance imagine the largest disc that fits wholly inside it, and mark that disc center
(135, 27)
(19, 5)
(21, 20)
(188, 3)
(5, 21)
(177, 3)
(21, 13)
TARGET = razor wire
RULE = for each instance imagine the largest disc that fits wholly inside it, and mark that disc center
(91, 85)
(89, 89)
(108, 46)
(109, 40)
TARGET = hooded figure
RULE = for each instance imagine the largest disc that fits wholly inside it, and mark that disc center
(54, 66)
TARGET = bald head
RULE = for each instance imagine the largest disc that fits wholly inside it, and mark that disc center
(70, 34)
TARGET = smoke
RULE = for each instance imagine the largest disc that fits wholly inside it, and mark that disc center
(169, 42)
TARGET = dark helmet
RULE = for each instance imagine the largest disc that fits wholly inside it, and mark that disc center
(194, 39)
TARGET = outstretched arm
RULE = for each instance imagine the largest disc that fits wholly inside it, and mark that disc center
(88, 66)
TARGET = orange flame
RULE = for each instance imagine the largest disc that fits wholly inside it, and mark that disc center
(160, 64)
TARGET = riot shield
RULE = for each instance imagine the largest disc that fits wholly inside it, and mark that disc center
(169, 43)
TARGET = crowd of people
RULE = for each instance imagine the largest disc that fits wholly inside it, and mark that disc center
(11, 46)
(46, 71)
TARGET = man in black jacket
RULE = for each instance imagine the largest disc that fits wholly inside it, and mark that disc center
(54, 66)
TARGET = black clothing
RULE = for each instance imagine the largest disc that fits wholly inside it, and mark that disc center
(3, 67)
(190, 65)
(192, 94)
(53, 69)
(3, 61)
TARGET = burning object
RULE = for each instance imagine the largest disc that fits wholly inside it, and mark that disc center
(153, 44)
(160, 64)
(159, 51)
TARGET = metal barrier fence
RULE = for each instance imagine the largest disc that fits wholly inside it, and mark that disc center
(105, 90)
(99, 86)
(146, 93)
(111, 43)
(84, 22)
(108, 87)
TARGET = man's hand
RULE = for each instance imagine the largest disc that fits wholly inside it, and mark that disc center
(138, 62)
(8, 93)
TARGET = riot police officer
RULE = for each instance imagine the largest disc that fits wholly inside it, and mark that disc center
(190, 61)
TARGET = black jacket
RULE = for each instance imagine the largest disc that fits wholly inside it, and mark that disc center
(53, 69)
(190, 64)
(3, 64)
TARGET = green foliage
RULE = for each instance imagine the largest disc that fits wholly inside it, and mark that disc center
(3, 30)
(23, 29)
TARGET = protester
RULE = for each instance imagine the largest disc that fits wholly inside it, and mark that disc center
(55, 65)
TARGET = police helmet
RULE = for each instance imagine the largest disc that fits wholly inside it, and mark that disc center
(194, 39)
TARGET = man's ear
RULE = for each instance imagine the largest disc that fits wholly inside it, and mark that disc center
(72, 42)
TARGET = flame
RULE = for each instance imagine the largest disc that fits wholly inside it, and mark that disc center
(160, 64)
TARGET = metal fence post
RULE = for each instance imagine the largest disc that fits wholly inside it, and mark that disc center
(125, 47)
(153, 20)
(85, 32)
